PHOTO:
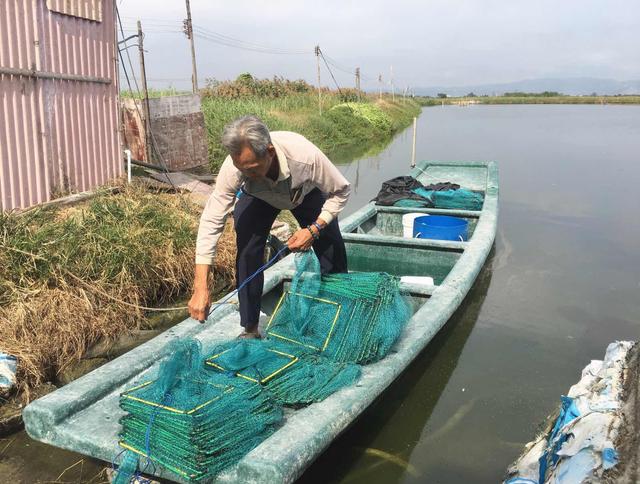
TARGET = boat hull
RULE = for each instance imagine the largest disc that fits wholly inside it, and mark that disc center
(83, 416)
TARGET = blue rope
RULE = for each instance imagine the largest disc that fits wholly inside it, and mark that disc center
(147, 435)
(249, 279)
(114, 467)
(147, 444)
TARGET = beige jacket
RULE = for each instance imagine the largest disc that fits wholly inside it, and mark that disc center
(303, 167)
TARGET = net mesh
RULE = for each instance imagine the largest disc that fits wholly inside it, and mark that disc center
(462, 198)
(192, 421)
(205, 410)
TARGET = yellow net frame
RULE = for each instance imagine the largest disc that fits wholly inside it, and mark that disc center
(291, 340)
(292, 360)
(127, 394)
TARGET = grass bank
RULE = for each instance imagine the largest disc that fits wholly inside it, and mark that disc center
(529, 99)
(71, 276)
(346, 127)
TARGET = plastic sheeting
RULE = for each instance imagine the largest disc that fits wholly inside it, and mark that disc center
(8, 366)
(580, 445)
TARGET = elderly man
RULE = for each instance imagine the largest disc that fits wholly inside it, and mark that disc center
(275, 171)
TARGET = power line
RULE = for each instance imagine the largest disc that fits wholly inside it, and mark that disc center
(329, 69)
(159, 25)
(338, 66)
(152, 136)
(256, 45)
(223, 40)
(156, 31)
(126, 49)
(154, 23)
(341, 67)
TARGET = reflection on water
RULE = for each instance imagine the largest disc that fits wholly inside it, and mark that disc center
(367, 174)
(346, 155)
(23, 460)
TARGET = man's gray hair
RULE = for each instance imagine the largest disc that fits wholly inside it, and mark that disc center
(247, 130)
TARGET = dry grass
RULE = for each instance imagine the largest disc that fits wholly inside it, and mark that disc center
(69, 278)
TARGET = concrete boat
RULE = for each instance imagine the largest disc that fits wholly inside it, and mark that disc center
(83, 415)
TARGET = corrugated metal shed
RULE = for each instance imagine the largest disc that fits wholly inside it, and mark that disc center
(59, 91)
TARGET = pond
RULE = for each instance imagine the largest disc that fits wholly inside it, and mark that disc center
(561, 283)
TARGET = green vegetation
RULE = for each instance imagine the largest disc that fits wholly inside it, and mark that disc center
(529, 98)
(371, 113)
(532, 94)
(352, 124)
(154, 93)
(345, 125)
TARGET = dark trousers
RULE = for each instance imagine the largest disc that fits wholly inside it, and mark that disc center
(253, 220)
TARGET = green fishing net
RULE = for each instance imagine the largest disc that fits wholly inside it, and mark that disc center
(202, 413)
(354, 317)
(192, 421)
(321, 330)
(289, 373)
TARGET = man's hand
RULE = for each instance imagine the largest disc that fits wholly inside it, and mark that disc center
(300, 241)
(200, 301)
(199, 305)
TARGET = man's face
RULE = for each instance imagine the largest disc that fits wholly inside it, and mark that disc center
(250, 165)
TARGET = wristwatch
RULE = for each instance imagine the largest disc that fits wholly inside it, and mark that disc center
(313, 234)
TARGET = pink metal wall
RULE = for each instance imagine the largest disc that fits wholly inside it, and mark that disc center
(58, 115)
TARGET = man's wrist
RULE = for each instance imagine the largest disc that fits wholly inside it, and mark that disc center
(201, 277)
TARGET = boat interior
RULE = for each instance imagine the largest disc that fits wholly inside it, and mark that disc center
(375, 243)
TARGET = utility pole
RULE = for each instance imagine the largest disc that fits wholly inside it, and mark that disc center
(145, 90)
(379, 86)
(358, 82)
(318, 64)
(188, 30)
(393, 92)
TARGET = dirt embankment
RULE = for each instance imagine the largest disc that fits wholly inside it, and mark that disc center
(628, 441)
(73, 277)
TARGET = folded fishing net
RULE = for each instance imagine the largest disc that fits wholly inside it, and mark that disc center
(354, 317)
(322, 328)
(192, 421)
(202, 414)
(460, 199)
(290, 379)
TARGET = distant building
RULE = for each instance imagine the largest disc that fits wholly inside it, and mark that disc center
(59, 91)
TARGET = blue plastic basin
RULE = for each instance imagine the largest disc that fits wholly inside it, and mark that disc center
(441, 227)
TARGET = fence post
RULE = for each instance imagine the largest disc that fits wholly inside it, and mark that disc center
(413, 153)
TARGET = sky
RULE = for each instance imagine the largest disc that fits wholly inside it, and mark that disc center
(425, 43)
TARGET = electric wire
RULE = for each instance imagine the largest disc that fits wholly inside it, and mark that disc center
(127, 52)
(158, 25)
(228, 42)
(239, 42)
(154, 144)
(330, 72)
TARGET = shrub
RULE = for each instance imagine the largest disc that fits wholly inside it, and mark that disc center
(371, 113)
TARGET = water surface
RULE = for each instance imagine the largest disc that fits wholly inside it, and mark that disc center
(562, 282)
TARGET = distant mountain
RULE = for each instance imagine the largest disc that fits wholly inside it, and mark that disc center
(574, 86)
